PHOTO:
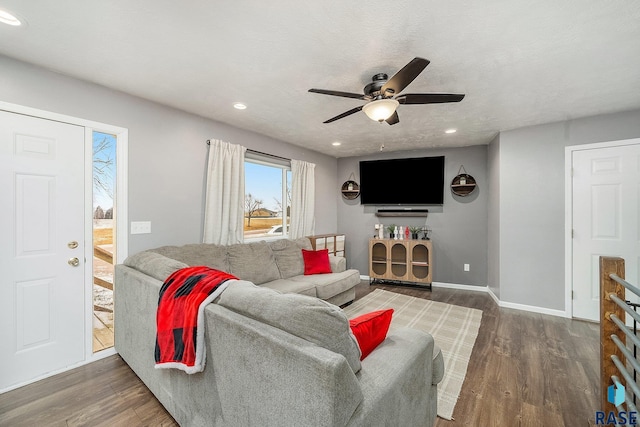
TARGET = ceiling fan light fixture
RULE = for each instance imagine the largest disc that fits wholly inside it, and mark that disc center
(380, 109)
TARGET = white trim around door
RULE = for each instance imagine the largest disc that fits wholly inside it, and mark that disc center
(121, 237)
(568, 211)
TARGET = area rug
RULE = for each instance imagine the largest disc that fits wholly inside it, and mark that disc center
(453, 328)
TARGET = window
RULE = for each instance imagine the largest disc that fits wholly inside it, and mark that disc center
(267, 196)
(104, 194)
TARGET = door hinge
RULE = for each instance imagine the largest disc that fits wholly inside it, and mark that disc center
(572, 295)
(573, 233)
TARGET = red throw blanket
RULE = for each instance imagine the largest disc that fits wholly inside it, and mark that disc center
(180, 316)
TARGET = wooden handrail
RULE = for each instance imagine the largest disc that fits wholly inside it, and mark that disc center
(106, 256)
(610, 265)
(103, 283)
(103, 254)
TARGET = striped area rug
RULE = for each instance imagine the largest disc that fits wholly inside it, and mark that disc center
(453, 328)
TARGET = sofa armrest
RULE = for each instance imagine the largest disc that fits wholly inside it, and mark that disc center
(153, 264)
(396, 381)
(271, 377)
(338, 263)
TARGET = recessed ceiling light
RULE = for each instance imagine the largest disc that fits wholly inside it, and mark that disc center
(335, 144)
(450, 131)
(9, 18)
(239, 106)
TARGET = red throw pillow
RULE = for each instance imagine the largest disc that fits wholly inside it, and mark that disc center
(371, 329)
(316, 262)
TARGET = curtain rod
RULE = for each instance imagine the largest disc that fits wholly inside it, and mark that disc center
(260, 152)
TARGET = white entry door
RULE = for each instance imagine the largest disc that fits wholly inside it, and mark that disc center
(605, 219)
(42, 302)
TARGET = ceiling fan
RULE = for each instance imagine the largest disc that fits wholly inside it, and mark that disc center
(384, 95)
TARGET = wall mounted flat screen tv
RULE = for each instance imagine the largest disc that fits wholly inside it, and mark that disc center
(411, 181)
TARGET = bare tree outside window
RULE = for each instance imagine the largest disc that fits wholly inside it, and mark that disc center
(279, 203)
(104, 191)
(103, 167)
(270, 186)
(98, 213)
(251, 205)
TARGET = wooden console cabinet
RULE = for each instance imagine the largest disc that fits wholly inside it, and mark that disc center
(400, 260)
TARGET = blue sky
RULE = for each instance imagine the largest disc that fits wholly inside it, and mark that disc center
(264, 183)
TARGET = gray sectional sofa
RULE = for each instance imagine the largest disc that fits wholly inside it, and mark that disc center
(277, 264)
(277, 355)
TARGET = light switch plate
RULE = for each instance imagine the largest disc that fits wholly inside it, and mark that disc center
(140, 227)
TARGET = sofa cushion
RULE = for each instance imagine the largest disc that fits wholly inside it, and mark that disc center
(316, 262)
(153, 264)
(312, 319)
(338, 263)
(328, 285)
(371, 329)
(287, 286)
(213, 256)
(288, 256)
(253, 261)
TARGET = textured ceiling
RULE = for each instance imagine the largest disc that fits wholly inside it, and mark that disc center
(519, 62)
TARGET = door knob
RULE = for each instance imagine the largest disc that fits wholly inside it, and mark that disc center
(72, 244)
(74, 262)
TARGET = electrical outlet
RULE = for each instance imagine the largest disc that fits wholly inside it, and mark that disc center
(466, 267)
(140, 227)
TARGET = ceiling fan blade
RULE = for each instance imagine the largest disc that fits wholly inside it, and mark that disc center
(429, 98)
(406, 75)
(338, 93)
(393, 119)
(345, 114)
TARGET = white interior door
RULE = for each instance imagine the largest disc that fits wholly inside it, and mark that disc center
(605, 190)
(42, 301)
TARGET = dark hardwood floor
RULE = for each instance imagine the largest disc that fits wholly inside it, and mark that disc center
(526, 370)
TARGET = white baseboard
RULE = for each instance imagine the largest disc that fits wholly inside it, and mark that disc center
(474, 288)
(493, 295)
(533, 308)
(504, 304)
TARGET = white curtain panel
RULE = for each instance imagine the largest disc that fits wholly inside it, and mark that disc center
(224, 203)
(303, 191)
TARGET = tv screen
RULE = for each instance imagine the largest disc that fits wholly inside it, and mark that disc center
(412, 181)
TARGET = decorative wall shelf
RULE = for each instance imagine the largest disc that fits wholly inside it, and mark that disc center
(463, 184)
(350, 189)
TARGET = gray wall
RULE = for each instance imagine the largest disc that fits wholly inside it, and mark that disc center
(530, 163)
(493, 226)
(459, 225)
(167, 151)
